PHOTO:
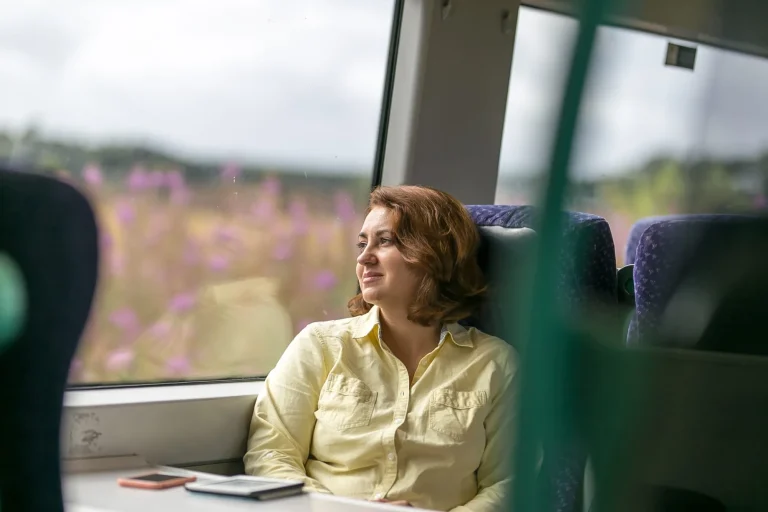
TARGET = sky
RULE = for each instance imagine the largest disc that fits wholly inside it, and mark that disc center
(635, 108)
(299, 82)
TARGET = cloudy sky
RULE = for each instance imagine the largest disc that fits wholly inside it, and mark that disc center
(300, 82)
(636, 108)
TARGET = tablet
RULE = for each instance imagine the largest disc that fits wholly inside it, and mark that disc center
(249, 487)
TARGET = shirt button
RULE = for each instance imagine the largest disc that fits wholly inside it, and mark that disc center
(378, 496)
(402, 393)
(391, 456)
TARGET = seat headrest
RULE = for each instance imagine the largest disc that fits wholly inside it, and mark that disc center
(503, 257)
(588, 260)
(639, 227)
(714, 253)
(48, 229)
(718, 301)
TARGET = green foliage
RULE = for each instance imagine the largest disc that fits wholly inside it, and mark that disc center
(117, 160)
(667, 187)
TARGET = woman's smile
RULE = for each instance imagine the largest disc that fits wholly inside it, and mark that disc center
(370, 277)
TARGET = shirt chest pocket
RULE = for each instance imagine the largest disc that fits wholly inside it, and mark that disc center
(455, 413)
(345, 402)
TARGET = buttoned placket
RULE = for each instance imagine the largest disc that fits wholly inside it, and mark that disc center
(400, 412)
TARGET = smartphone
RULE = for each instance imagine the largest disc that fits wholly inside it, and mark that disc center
(155, 481)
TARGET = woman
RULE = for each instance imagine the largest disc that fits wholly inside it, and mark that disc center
(398, 403)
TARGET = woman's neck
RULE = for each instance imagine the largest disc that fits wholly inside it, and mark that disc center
(405, 338)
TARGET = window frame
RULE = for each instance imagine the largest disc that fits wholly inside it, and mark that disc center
(697, 35)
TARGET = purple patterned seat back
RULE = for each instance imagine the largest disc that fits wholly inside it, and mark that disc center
(589, 255)
(589, 273)
(639, 227)
(663, 253)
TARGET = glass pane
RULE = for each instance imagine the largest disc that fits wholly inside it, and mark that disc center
(543, 46)
(653, 139)
(228, 149)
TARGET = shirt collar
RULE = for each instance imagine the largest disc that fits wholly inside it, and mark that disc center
(367, 323)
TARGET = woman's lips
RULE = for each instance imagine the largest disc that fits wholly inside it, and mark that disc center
(370, 277)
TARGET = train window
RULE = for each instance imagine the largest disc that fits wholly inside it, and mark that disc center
(228, 148)
(653, 139)
(539, 69)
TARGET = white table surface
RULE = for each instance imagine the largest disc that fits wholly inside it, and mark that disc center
(99, 492)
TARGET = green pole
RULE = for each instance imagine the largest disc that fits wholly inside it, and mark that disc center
(12, 301)
(540, 415)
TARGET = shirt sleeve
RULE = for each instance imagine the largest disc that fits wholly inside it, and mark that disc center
(284, 415)
(495, 474)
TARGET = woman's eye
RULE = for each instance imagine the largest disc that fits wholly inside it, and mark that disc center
(361, 246)
(385, 241)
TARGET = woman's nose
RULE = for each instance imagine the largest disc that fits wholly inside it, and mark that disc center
(366, 257)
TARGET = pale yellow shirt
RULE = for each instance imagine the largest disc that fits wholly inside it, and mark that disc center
(339, 413)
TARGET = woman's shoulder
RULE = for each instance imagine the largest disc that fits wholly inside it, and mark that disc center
(340, 329)
(492, 346)
(320, 339)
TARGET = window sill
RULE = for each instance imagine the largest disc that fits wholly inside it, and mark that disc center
(184, 424)
(159, 394)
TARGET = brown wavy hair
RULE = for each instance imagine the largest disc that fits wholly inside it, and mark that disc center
(438, 239)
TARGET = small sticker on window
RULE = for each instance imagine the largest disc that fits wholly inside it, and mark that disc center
(681, 56)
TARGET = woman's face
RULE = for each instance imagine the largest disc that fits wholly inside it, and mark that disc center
(384, 276)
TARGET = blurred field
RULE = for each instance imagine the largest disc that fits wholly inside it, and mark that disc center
(212, 279)
(660, 187)
(209, 273)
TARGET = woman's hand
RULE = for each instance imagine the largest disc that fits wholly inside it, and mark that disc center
(400, 503)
